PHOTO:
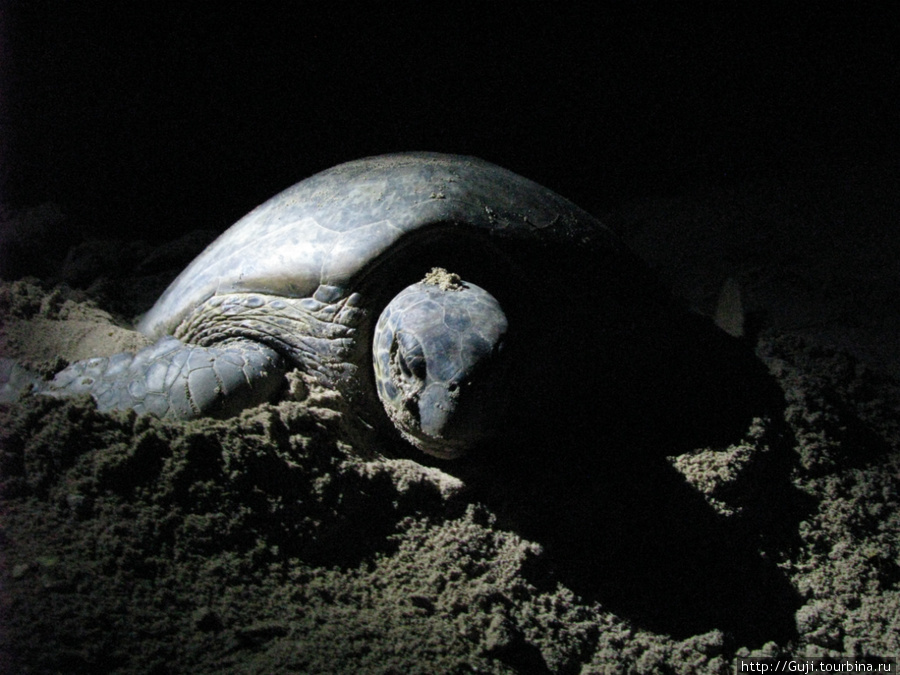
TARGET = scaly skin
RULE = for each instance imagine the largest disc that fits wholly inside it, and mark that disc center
(173, 379)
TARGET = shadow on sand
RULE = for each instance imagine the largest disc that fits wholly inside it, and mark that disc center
(619, 524)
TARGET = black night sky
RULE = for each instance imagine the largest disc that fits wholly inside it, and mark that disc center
(149, 120)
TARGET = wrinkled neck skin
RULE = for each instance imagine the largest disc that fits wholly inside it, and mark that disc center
(318, 336)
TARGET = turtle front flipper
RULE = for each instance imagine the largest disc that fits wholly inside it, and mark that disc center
(173, 379)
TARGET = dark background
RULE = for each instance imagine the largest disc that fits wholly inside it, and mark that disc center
(144, 121)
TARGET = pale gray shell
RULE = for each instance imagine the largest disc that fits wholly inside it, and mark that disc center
(328, 228)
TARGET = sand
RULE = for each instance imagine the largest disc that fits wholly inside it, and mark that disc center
(280, 541)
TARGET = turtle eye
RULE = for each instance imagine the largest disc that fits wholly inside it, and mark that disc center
(411, 356)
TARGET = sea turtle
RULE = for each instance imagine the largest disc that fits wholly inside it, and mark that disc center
(332, 276)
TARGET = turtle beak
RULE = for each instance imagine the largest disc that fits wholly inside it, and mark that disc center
(456, 415)
(437, 408)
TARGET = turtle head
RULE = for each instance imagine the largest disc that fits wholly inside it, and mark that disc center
(438, 366)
